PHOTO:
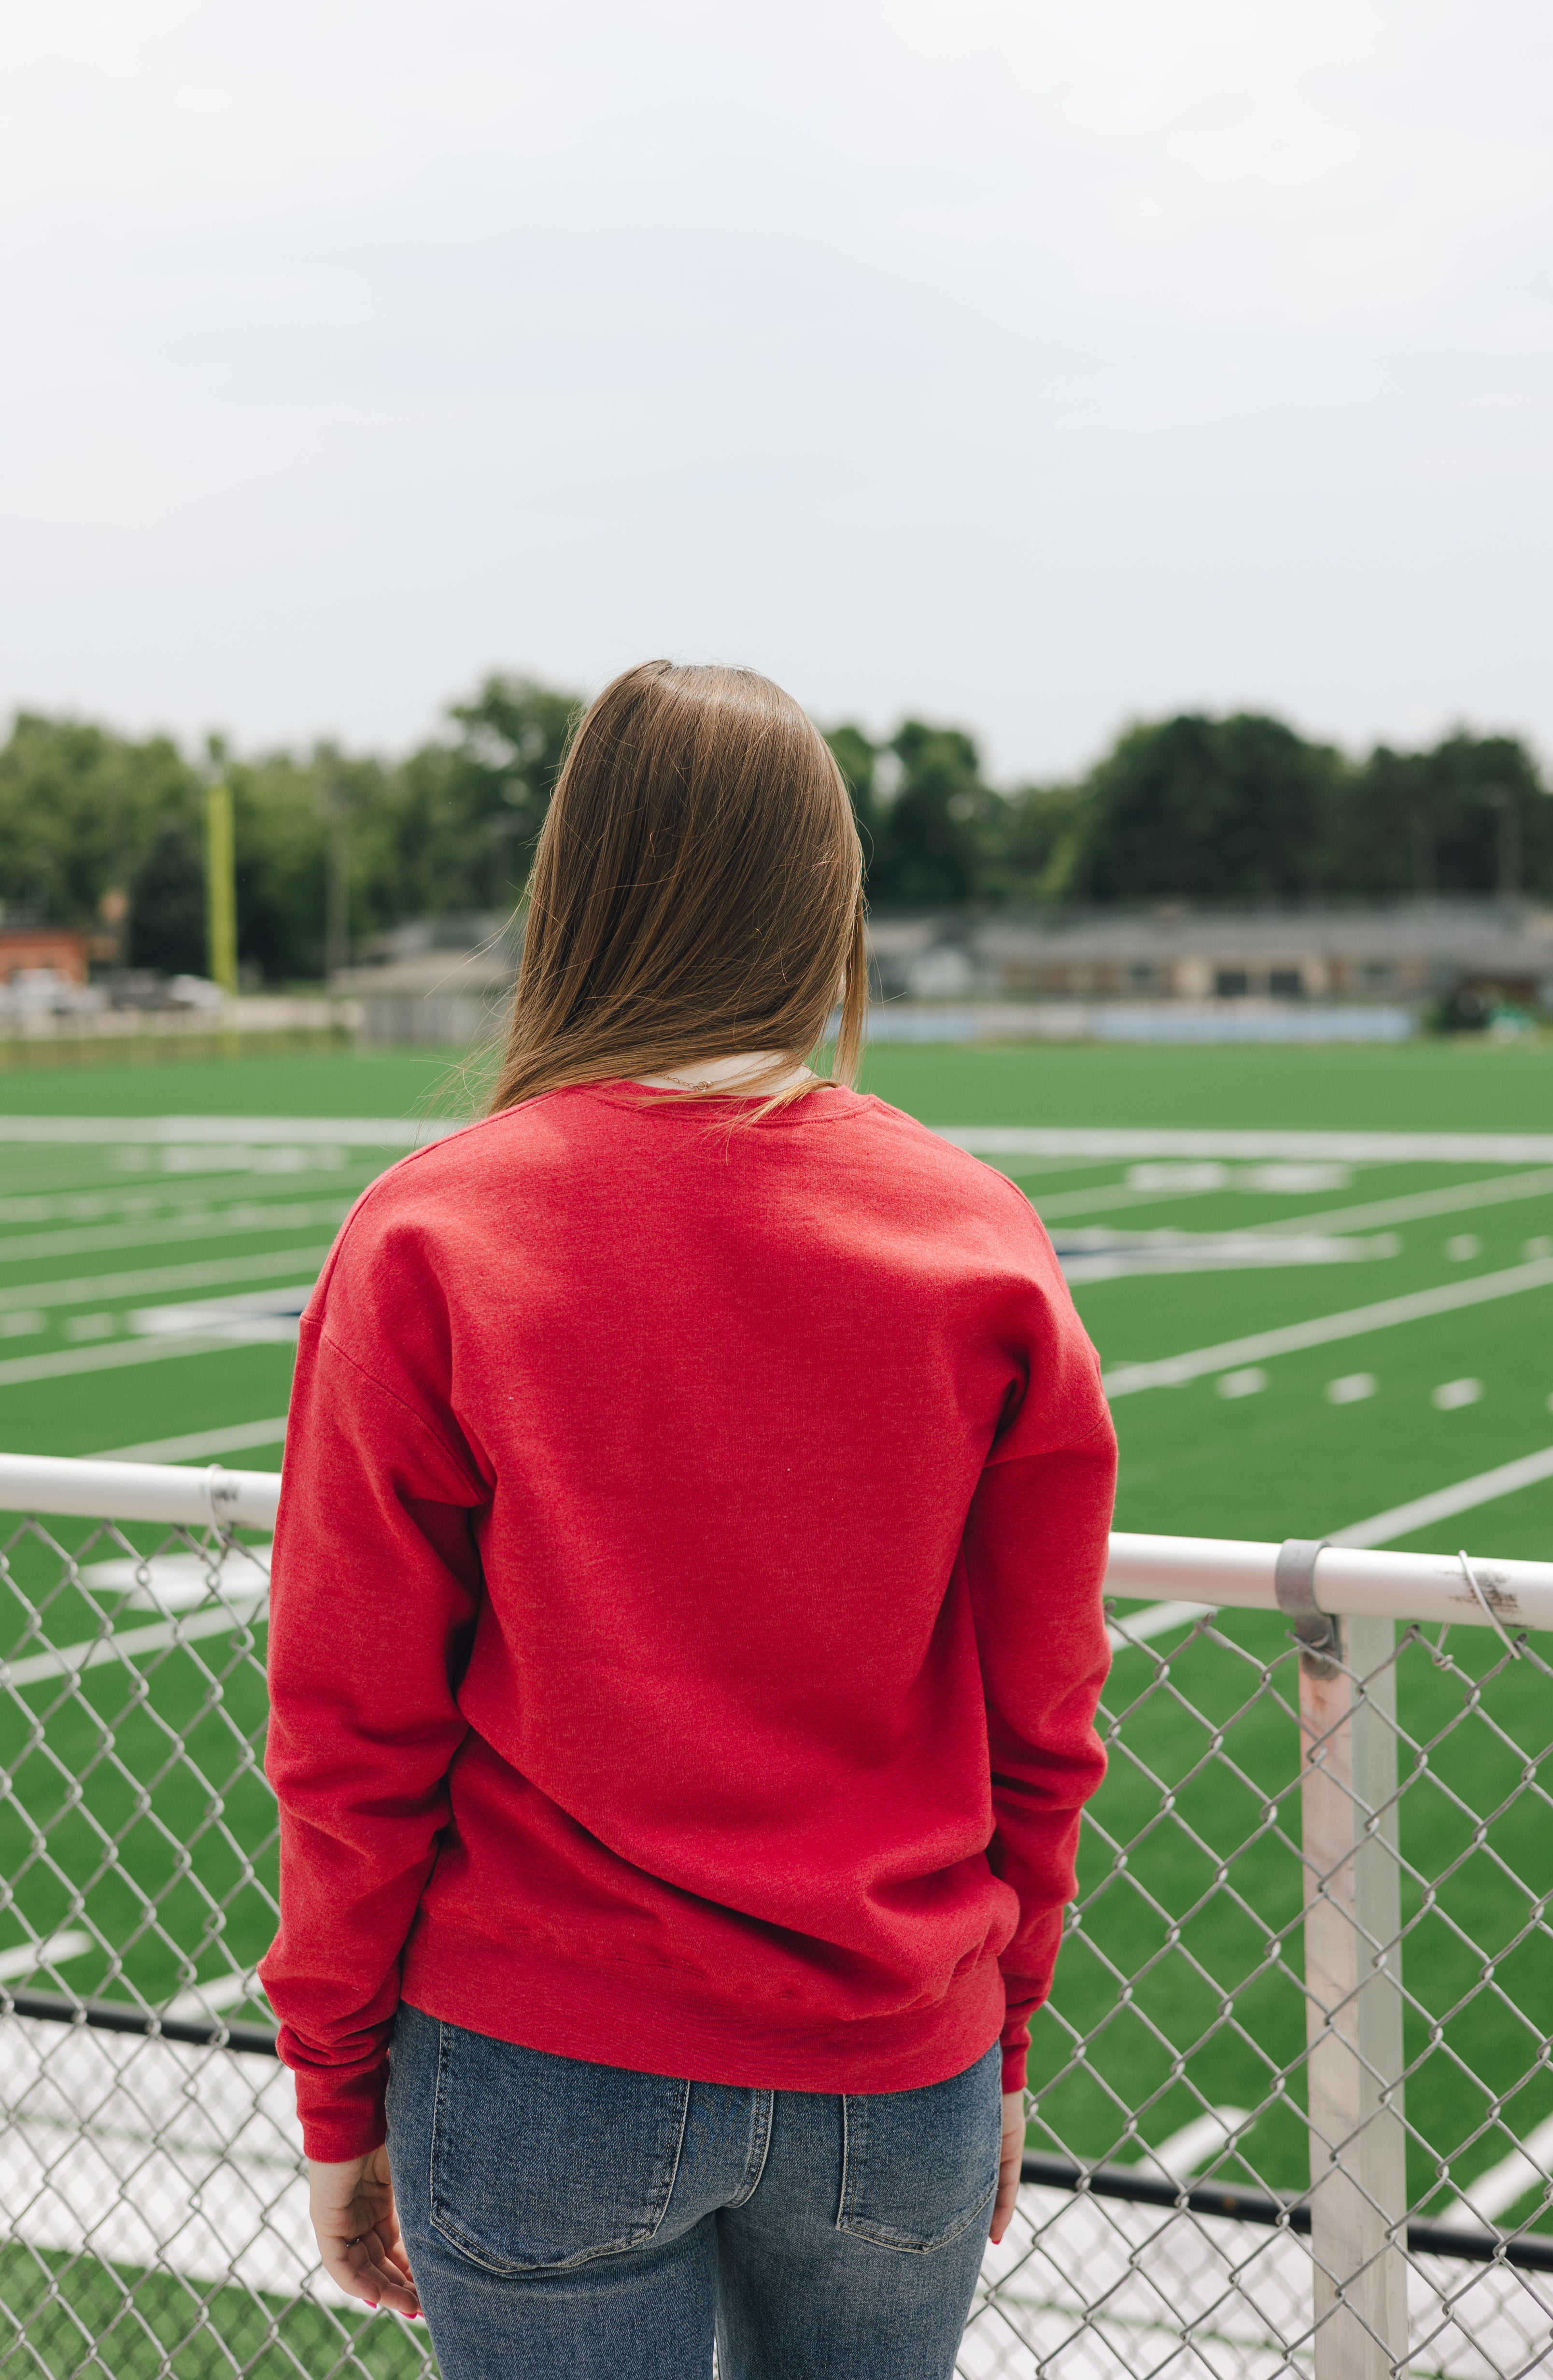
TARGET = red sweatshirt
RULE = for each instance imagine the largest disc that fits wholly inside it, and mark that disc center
(686, 1624)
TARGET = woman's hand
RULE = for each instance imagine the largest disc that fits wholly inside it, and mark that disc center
(358, 2231)
(1008, 2164)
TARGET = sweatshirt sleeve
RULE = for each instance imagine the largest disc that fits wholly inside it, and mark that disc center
(375, 1587)
(1036, 1548)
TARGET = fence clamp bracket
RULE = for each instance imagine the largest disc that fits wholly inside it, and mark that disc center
(1293, 1580)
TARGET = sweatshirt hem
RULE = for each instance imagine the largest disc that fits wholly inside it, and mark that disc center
(669, 2025)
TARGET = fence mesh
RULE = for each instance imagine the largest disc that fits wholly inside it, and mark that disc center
(156, 2215)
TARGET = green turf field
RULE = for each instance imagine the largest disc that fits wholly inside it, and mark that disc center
(1281, 1461)
(168, 1853)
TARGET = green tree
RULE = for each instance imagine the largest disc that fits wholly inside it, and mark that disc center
(466, 810)
(80, 810)
(1471, 816)
(856, 755)
(1036, 857)
(1210, 809)
(167, 902)
(937, 833)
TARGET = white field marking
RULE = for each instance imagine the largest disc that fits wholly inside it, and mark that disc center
(1207, 1173)
(221, 1992)
(150, 1131)
(1444, 1503)
(1102, 1200)
(1352, 1390)
(176, 1581)
(158, 2155)
(106, 1205)
(1205, 2136)
(212, 1274)
(252, 1215)
(1451, 1395)
(17, 1369)
(251, 1317)
(1529, 2166)
(197, 1443)
(235, 1157)
(247, 1608)
(1248, 1383)
(1463, 1248)
(1138, 1627)
(1172, 1371)
(1341, 1147)
(1177, 1251)
(1415, 1206)
(1094, 2289)
(52, 1950)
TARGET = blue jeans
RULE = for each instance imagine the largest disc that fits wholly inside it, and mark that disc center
(562, 2217)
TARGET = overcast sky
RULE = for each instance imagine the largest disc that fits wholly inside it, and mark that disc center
(1033, 364)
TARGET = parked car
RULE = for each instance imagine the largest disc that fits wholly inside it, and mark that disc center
(45, 991)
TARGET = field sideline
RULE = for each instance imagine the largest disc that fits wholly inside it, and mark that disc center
(1396, 1346)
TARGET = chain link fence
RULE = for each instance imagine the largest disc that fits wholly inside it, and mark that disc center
(1293, 2098)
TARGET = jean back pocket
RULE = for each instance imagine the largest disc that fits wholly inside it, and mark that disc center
(539, 2163)
(919, 2167)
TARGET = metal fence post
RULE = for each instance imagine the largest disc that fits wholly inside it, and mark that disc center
(1353, 2006)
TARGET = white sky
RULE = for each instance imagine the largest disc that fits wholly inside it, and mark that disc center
(1023, 364)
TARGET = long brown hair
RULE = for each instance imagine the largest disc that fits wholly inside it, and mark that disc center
(696, 890)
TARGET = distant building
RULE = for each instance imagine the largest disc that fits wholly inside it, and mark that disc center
(1414, 954)
(438, 980)
(58, 948)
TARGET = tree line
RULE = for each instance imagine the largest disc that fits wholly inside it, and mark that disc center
(95, 825)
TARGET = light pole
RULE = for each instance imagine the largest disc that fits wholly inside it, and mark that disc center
(336, 905)
(1502, 801)
(221, 889)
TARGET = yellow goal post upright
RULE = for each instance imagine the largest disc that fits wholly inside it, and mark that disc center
(221, 900)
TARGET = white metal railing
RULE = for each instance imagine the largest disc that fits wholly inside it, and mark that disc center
(1365, 1813)
(1203, 1571)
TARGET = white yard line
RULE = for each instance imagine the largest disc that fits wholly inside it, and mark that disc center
(125, 1205)
(1415, 1206)
(1173, 1371)
(1081, 1142)
(197, 1443)
(1418, 1205)
(243, 1607)
(156, 2156)
(1155, 1620)
(221, 1992)
(252, 1215)
(1528, 2168)
(151, 1132)
(50, 1951)
(1336, 1147)
(214, 1273)
(118, 1353)
(1188, 2150)
(1505, 1479)
(1161, 1253)
(1102, 1200)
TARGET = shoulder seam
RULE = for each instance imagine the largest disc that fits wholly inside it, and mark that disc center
(482, 1493)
